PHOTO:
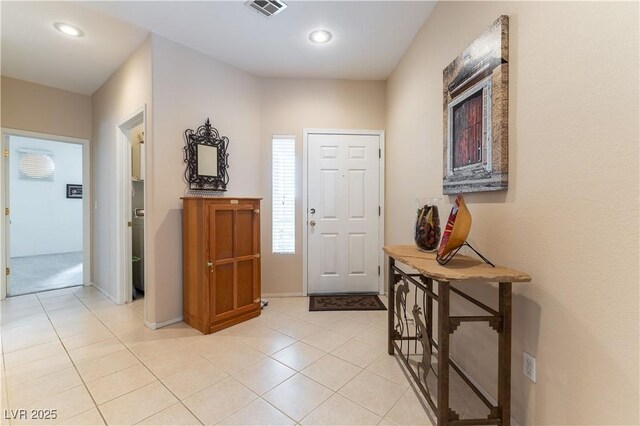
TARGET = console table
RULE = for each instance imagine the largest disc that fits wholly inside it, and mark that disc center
(417, 289)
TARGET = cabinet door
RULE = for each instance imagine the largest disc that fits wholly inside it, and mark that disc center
(233, 251)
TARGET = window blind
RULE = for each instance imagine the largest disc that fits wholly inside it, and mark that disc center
(283, 195)
(35, 165)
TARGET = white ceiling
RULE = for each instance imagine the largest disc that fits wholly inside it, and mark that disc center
(369, 38)
(33, 50)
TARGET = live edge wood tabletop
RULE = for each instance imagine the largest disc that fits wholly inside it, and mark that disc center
(417, 292)
(221, 258)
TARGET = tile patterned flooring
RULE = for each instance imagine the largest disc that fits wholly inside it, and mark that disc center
(74, 350)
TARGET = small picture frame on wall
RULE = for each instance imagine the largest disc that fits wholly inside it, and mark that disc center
(74, 191)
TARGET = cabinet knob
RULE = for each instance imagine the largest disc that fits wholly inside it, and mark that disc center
(258, 255)
(210, 265)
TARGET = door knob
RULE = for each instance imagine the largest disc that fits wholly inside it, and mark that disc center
(210, 265)
(312, 223)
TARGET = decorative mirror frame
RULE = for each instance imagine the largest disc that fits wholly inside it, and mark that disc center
(209, 136)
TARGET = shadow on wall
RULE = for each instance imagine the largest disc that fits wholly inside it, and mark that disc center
(480, 359)
(168, 245)
(577, 340)
(525, 333)
(497, 197)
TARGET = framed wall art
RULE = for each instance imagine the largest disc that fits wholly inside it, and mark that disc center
(476, 113)
(74, 191)
(206, 157)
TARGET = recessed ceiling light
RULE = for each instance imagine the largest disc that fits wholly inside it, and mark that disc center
(68, 29)
(320, 36)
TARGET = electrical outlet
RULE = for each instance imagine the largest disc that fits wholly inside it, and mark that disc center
(529, 366)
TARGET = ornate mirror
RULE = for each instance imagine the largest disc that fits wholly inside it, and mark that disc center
(206, 157)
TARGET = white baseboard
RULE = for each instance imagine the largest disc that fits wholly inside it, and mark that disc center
(295, 294)
(101, 290)
(157, 325)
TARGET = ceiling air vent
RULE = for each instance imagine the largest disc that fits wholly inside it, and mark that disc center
(267, 7)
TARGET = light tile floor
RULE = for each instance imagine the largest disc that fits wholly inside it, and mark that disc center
(75, 351)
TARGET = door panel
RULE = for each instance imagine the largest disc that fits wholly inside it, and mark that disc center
(357, 152)
(245, 283)
(343, 188)
(244, 234)
(329, 194)
(357, 254)
(329, 152)
(223, 289)
(356, 197)
(329, 254)
(224, 234)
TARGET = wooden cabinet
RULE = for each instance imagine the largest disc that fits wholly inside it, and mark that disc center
(221, 257)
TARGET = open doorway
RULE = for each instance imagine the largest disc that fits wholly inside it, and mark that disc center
(130, 225)
(136, 136)
(46, 227)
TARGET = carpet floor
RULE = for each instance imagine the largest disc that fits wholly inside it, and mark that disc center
(30, 274)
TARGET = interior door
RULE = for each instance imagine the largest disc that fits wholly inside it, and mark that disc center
(343, 213)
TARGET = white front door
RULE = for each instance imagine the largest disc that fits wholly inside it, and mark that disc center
(343, 213)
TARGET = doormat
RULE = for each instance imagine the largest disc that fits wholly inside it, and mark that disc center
(346, 302)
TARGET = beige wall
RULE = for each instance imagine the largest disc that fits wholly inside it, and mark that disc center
(42, 109)
(188, 88)
(127, 90)
(570, 216)
(289, 106)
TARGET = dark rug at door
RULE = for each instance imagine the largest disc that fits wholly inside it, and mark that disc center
(346, 302)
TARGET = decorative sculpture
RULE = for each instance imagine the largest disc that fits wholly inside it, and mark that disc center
(401, 307)
(425, 339)
(456, 233)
